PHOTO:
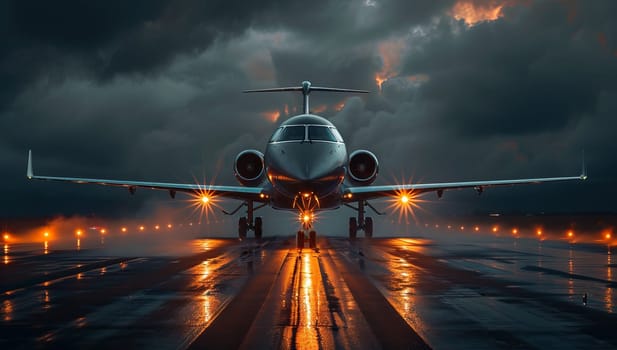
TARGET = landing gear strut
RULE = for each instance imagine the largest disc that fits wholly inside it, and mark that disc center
(362, 222)
(248, 222)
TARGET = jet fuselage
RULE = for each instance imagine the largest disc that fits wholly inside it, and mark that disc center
(306, 161)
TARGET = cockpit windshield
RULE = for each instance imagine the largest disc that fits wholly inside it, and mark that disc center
(321, 133)
(315, 133)
(289, 133)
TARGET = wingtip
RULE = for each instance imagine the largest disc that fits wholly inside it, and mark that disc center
(29, 173)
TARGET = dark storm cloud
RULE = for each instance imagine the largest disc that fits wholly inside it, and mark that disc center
(150, 90)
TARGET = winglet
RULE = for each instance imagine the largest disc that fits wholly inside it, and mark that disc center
(584, 168)
(29, 173)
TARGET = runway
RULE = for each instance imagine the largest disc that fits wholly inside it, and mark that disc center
(479, 292)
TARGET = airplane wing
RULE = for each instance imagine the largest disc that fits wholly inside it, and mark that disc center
(257, 194)
(352, 194)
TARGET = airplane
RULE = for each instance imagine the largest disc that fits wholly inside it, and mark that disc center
(305, 168)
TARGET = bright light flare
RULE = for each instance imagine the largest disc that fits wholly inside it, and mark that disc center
(78, 232)
(6, 236)
(204, 202)
(570, 234)
(141, 228)
(123, 229)
(607, 236)
(405, 203)
(539, 232)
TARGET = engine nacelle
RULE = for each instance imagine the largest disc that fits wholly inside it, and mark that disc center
(363, 167)
(249, 168)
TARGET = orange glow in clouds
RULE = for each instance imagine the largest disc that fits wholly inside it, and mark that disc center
(390, 53)
(477, 11)
(272, 116)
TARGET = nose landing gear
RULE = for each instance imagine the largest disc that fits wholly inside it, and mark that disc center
(307, 225)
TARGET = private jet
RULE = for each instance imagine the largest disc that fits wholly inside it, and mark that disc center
(305, 169)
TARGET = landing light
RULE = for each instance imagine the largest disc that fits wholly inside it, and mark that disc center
(306, 218)
(78, 232)
(404, 199)
(205, 199)
(46, 234)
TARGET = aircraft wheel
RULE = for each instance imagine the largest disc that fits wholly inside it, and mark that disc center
(300, 239)
(242, 227)
(368, 227)
(313, 239)
(258, 227)
(353, 228)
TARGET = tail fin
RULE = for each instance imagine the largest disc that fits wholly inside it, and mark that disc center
(306, 89)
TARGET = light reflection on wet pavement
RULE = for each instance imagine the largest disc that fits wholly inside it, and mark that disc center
(480, 293)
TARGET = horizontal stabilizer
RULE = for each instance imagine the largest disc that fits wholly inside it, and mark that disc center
(306, 89)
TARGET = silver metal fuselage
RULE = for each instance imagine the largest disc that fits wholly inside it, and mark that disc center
(306, 173)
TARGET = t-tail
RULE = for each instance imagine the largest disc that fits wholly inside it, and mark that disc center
(306, 89)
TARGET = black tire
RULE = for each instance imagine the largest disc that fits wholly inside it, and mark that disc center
(368, 227)
(313, 239)
(300, 239)
(242, 227)
(353, 228)
(258, 227)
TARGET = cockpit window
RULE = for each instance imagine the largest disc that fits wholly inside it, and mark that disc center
(321, 133)
(289, 133)
(338, 136)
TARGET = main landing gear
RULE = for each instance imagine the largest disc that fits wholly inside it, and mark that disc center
(249, 222)
(361, 222)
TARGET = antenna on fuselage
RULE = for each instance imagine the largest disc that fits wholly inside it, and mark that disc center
(306, 89)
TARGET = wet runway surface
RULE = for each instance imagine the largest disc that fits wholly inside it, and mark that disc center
(441, 293)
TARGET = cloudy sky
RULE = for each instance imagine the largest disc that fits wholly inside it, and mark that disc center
(460, 90)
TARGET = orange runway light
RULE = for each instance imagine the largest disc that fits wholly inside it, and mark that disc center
(123, 229)
(306, 218)
(539, 232)
(495, 228)
(157, 227)
(46, 234)
(476, 229)
(514, 231)
(608, 236)
(78, 232)
(169, 226)
(141, 228)
(570, 234)
(205, 199)
(103, 231)
(6, 237)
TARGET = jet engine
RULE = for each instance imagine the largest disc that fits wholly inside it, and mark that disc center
(249, 168)
(363, 167)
